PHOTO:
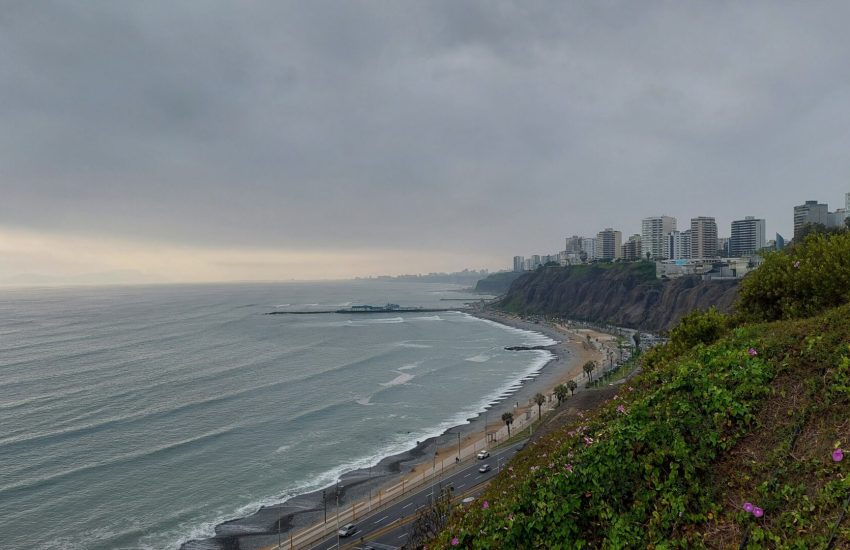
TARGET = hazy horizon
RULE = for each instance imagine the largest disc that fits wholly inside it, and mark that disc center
(160, 142)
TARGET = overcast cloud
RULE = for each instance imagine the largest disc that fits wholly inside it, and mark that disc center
(467, 131)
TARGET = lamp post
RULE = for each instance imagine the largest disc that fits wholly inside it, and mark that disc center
(325, 502)
(458, 446)
(337, 513)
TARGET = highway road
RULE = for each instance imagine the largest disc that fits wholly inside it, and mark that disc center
(390, 525)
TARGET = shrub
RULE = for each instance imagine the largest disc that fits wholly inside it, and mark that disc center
(799, 282)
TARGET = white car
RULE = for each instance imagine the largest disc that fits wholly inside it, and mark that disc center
(483, 454)
(484, 469)
(347, 530)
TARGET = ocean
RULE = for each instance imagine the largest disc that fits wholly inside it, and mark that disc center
(141, 417)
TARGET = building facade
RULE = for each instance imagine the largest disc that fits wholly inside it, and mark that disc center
(519, 263)
(748, 237)
(676, 247)
(810, 212)
(609, 245)
(632, 249)
(653, 233)
(703, 237)
(588, 248)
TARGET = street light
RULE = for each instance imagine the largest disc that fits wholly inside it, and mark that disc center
(337, 513)
(458, 446)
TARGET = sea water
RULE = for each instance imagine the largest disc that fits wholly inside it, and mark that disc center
(140, 417)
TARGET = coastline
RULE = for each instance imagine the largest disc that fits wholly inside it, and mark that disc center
(260, 529)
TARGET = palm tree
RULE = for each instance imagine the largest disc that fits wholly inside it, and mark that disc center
(561, 393)
(539, 399)
(588, 369)
(508, 419)
(572, 385)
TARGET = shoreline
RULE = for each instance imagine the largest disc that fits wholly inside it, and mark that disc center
(260, 529)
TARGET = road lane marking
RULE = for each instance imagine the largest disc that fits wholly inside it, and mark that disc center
(461, 486)
(467, 475)
(402, 536)
(407, 505)
(380, 520)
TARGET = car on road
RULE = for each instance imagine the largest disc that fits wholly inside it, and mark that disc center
(482, 455)
(485, 468)
(347, 530)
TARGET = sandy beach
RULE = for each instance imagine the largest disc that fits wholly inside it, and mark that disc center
(363, 489)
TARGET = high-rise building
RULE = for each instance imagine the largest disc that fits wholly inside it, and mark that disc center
(608, 244)
(748, 237)
(588, 247)
(780, 242)
(518, 263)
(847, 202)
(632, 250)
(653, 232)
(836, 219)
(686, 244)
(675, 247)
(573, 245)
(703, 237)
(723, 246)
(811, 212)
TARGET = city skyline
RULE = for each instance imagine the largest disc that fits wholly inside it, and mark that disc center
(154, 142)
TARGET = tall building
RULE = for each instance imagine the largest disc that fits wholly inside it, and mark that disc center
(518, 263)
(780, 242)
(675, 247)
(573, 245)
(748, 237)
(632, 250)
(588, 248)
(810, 212)
(686, 244)
(703, 237)
(836, 219)
(608, 244)
(536, 261)
(653, 232)
(847, 202)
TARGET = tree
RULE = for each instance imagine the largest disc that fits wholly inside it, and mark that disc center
(636, 337)
(431, 520)
(572, 386)
(561, 392)
(508, 419)
(539, 398)
(588, 368)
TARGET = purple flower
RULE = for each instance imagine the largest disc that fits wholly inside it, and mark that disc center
(621, 409)
(752, 352)
(510, 517)
(569, 468)
(838, 455)
(758, 512)
(588, 441)
(485, 505)
(748, 507)
(455, 542)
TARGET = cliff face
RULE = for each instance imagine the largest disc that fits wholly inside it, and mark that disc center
(497, 283)
(621, 294)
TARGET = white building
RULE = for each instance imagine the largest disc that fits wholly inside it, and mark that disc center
(653, 232)
(748, 237)
(519, 263)
(675, 248)
(811, 212)
(588, 246)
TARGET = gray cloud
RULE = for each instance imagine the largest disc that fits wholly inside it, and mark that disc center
(497, 127)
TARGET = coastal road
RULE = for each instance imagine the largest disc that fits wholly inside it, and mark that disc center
(390, 525)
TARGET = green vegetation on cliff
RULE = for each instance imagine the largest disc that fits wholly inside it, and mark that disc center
(497, 283)
(731, 437)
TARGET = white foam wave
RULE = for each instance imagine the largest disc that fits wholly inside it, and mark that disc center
(531, 338)
(366, 401)
(283, 448)
(427, 318)
(402, 378)
(364, 322)
(409, 367)
(413, 345)
(480, 358)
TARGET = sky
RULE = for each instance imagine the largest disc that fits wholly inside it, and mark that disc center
(164, 141)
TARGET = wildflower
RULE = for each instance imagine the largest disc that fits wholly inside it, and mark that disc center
(615, 397)
(752, 352)
(455, 542)
(510, 517)
(748, 507)
(797, 264)
(621, 409)
(569, 468)
(588, 441)
(485, 505)
(631, 388)
(758, 512)
(838, 455)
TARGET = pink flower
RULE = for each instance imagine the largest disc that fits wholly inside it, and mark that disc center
(569, 468)
(748, 507)
(510, 517)
(455, 542)
(621, 409)
(588, 441)
(485, 505)
(838, 455)
(752, 352)
(758, 512)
